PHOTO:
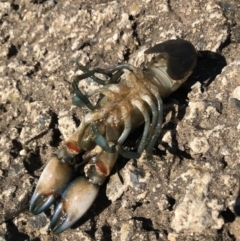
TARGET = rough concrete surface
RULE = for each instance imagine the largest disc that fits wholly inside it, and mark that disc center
(190, 190)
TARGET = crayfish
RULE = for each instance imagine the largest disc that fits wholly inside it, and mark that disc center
(129, 97)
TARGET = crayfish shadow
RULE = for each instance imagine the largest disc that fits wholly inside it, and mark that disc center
(209, 65)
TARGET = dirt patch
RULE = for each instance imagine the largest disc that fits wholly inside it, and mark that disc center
(190, 190)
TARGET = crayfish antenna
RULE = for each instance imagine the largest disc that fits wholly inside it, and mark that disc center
(53, 180)
(76, 200)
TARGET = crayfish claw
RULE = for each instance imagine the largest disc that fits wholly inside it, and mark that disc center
(76, 200)
(40, 202)
(53, 180)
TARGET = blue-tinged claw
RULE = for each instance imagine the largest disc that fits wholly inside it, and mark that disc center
(40, 202)
(54, 179)
(76, 200)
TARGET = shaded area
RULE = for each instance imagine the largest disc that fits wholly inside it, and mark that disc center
(13, 234)
(147, 225)
(12, 51)
(236, 206)
(16, 148)
(107, 233)
(209, 65)
(33, 162)
(228, 216)
(56, 134)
